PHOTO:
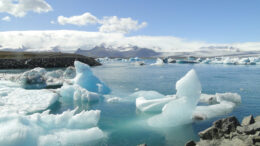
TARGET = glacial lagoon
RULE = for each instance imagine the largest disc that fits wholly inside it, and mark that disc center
(112, 118)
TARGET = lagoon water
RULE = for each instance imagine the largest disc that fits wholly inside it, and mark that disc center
(125, 125)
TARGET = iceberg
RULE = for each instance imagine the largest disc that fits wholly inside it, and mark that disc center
(182, 108)
(86, 79)
(179, 111)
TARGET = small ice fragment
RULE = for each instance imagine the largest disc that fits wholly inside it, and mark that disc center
(159, 61)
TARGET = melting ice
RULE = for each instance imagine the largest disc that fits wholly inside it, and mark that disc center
(25, 118)
(20, 123)
(183, 108)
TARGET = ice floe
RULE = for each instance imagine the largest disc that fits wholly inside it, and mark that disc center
(15, 99)
(39, 78)
(183, 108)
(178, 112)
(44, 129)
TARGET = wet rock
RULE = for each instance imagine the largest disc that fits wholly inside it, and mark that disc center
(220, 128)
(227, 125)
(210, 133)
(229, 132)
(248, 120)
(190, 143)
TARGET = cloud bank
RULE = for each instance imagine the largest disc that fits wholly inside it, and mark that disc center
(107, 24)
(19, 8)
(69, 41)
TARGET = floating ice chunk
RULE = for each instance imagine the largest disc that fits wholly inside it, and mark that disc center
(206, 61)
(9, 84)
(219, 97)
(244, 61)
(152, 105)
(86, 79)
(113, 99)
(207, 112)
(179, 111)
(223, 103)
(189, 87)
(17, 131)
(159, 61)
(208, 98)
(26, 101)
(54, 74)
(147, 94)
(150, 101)
(69, 73)
(231, 97)
(34, 77)
(67, 128)
(72, 137)
(68, 119)
(77, 93)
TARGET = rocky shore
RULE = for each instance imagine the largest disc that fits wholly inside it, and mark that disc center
(23, 60)
(229, 132)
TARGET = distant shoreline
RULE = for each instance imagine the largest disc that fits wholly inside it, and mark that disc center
(24, 60)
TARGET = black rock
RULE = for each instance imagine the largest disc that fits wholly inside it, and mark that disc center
(190, 143)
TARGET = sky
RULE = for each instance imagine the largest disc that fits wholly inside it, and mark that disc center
(200, 21)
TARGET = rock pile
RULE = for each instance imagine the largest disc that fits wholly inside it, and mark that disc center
(230, 132)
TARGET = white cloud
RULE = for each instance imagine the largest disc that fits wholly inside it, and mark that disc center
(52, 22)
(120, 25)
(107, 24)
(69, 41)
(80, 20)
(6, 18)
(19, 8)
